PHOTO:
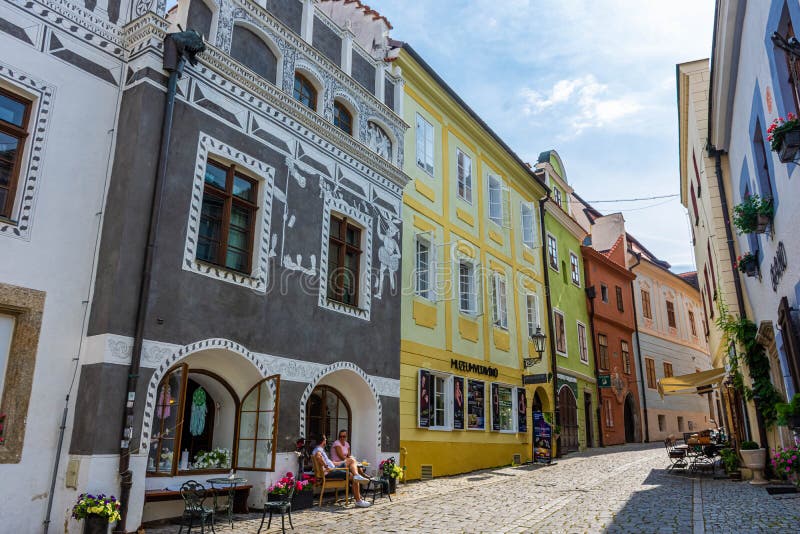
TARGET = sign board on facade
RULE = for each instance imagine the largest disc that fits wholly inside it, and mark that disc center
(476, 409)
(604, 381)
(424, 419)
(461, 365)
(542, 439)
(542, 378)
(522, 410)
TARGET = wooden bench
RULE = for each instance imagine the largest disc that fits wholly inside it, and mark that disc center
(241, 494)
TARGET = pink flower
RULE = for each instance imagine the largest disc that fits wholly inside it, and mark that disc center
(788, 469)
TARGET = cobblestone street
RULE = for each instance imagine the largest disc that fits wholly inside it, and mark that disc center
(619, 489)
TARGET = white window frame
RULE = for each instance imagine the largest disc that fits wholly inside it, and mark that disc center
(425, 145)
(552, 259)
(530, 229)
(472, 295)
(583, 345)
(557, 196)
(429, 293)
(499, 305)
(514, 416)
(575, 268)
(556, 311)
(463, 178)
(448, 400)
(495, 184)
(532, 313)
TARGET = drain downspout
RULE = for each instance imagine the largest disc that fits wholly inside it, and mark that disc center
(639, 351)
(178, 47)
(546, 269)
(591, 294)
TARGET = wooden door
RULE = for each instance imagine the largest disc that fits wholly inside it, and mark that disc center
(568, 411)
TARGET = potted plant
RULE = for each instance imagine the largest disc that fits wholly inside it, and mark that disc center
(96, 511)
(302, 498)
(753, 458)
(219, 458)
(390, 471)
(788, 413)
(784, 136)
(786, 463)
(753, 215)
(747, 264)
(730, 460)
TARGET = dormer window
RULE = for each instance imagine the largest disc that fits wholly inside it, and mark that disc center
(304, 91)
(342, 118)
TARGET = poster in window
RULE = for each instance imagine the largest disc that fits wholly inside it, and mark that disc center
(424, 399)
(522, 410)
(458, 403)
(495, 408)
(542, 440)
(475, 405)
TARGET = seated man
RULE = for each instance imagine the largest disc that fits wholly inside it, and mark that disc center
(349, 463)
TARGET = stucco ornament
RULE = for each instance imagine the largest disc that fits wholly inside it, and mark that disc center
(289, 220)
(388, 254)
(378, 141)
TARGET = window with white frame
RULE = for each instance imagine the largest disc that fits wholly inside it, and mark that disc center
(498, 201)
(423, 272)
(464, 176)
(424, 145)
(528, 225)
(499, 302)
(467, 293)
(584, 348)
(561, 332)
(440, 405)
(552, 251)
(575, 269)
(557, 195)
(532, 304)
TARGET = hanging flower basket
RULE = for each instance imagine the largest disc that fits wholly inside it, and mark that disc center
(753, 215)
(747, 264)
(784, 135)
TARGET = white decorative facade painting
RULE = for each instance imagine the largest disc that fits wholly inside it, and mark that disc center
(388, 229)
(379, 141)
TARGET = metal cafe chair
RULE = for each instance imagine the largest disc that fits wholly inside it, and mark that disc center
(282, 506)
(193, 494)
(677, 457)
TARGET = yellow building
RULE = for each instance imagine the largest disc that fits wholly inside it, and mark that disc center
(473, 291)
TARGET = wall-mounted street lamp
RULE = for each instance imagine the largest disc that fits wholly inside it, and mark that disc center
(538, 342)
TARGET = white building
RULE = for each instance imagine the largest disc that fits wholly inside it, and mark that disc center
(60, 65)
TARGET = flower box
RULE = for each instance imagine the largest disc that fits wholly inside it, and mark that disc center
(789, 146)
(747, 264)
(300, 500)
(753, 215)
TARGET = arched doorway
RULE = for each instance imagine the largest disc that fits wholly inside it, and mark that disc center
(327, 412)
(630, 420)
(568, 411)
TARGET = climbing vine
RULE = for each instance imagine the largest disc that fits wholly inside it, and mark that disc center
(741, 333)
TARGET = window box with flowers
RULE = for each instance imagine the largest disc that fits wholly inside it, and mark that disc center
(753, 215)
(747, 264)
(784, 135)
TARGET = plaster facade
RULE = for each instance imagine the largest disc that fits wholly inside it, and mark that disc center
(449, 314)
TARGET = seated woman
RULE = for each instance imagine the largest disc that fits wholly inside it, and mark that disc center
(349, 463)
(340, 451)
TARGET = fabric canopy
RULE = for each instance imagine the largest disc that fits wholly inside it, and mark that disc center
(687, 384)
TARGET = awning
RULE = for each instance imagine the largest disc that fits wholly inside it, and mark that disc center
(691, 383)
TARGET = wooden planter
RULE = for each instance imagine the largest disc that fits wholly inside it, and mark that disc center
(762, 224)
(790, 145)
(95, 524)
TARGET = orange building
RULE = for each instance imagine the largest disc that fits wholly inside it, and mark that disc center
(610, 305)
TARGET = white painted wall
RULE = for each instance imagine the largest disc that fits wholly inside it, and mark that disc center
(57, 260)
(755, 68)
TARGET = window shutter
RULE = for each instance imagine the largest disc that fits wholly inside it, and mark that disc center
(493, 296)
(420, 142)
(429, 147)
(506, 205)
(477, 276)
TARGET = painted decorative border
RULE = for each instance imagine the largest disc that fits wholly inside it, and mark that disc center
(258, 280)
(340, 366)
(338, 205)
(29, 182)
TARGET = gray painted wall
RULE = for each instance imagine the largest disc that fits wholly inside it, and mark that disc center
(290, 12)
(327, 42)
(248, 49)
(388, 94)
(363, 72)
(199, 18)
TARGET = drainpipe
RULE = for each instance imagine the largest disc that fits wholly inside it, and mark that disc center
(591, 294)
(639, 351)
(178, 47)
(546, 269)
(737, 283)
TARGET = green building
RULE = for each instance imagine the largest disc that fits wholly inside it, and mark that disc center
(576, 384)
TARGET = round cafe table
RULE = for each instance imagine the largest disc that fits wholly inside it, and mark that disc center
(222, 483)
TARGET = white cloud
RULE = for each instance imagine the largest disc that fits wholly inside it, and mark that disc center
(584, 102)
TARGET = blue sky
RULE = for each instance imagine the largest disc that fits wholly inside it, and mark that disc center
(593, 79)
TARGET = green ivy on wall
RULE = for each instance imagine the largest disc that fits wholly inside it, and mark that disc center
(741, 334)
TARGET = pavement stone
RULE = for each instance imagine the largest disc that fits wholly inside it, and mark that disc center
(624, 489)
